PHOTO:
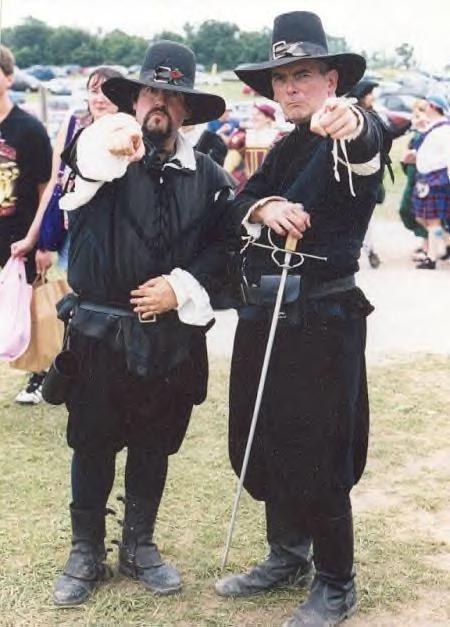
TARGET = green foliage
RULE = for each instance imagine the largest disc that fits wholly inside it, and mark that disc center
(118, 47)
(66, 43)
(34, 42)
(168, 34)
(222, 43)
(254, 46)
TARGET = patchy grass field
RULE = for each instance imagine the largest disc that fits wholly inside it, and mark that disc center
(402, 515)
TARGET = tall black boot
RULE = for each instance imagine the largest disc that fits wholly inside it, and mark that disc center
(139, 557)
(333, 593)
(288, 562)
(86, 566)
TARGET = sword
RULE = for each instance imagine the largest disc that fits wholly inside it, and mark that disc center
(290, 246)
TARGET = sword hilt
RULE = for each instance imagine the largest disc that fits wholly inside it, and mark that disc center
(291, 243)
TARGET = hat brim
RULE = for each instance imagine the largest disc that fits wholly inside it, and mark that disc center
(258, 76)
(203, 107)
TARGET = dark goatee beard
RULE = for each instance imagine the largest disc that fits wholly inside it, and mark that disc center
(156, 136)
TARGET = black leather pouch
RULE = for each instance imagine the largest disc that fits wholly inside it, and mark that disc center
(265, 293)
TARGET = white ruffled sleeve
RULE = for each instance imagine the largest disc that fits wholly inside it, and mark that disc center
(193, 300)
(94, 159)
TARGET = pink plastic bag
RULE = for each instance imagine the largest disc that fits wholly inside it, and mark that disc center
(15, 318)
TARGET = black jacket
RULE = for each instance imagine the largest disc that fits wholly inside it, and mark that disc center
(300, 168)
(138, 227)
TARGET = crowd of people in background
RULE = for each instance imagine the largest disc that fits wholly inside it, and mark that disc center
(240, 146)
(425, 204)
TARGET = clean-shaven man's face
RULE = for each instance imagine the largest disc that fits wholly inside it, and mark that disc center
(302, 88)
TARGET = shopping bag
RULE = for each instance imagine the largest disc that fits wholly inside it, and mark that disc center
(15, 297)
(46, 330)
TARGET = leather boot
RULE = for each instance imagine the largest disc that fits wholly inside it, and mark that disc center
(139, 557)
(333, 593)
(288, 562)
(86, 566)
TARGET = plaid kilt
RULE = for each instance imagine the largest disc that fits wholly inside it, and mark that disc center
(436, 205)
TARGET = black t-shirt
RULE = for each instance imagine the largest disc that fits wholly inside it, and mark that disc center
(25, 162)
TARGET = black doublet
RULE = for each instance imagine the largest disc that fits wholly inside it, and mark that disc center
(312, 433)
(142, 226)
(138, 382)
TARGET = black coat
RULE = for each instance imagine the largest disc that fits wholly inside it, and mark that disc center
(138, 382)
(300, 168)
(312, 431)
(138, 227)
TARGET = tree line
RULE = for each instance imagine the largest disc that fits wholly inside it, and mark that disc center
(222, 43)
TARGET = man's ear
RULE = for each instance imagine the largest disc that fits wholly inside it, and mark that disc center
(333, 79)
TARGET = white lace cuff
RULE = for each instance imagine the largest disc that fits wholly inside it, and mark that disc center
(95, 161)
(193, 301)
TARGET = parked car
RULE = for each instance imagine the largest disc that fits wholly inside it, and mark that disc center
(24, 82)
(398, 101)
(58, 87)
(71, 68)
(42, 72)
(397, 108)
(17, 97)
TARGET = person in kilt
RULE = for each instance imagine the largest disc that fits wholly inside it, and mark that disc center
(431, 196)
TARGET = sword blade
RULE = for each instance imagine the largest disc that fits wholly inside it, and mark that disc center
(262, 381)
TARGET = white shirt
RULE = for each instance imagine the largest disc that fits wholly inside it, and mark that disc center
(434, 153)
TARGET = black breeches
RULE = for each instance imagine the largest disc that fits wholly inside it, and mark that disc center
(93, 476)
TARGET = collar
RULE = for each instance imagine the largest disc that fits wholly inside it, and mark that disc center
(184, 157)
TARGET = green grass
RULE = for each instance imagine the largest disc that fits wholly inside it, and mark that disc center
(390, 547)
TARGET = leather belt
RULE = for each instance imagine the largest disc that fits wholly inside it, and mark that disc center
(332, 287)
(117, 310)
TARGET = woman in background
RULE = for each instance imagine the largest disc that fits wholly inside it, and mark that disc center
(98, 105)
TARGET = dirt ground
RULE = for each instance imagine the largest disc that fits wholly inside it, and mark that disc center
(411, 306)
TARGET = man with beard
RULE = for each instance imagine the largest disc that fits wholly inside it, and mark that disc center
(147, 248)
(318, 184)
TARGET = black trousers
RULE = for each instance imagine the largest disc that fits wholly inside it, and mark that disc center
(290, 518)
(93, 475)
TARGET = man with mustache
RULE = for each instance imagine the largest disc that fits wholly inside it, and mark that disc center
(147, 248)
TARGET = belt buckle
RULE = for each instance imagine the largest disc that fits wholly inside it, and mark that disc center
(146, 320)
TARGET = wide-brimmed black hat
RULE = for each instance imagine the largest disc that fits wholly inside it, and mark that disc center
(300, 35)
(170, 66)
(362, 88)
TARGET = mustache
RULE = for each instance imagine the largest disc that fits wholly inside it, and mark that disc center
(158, 109)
